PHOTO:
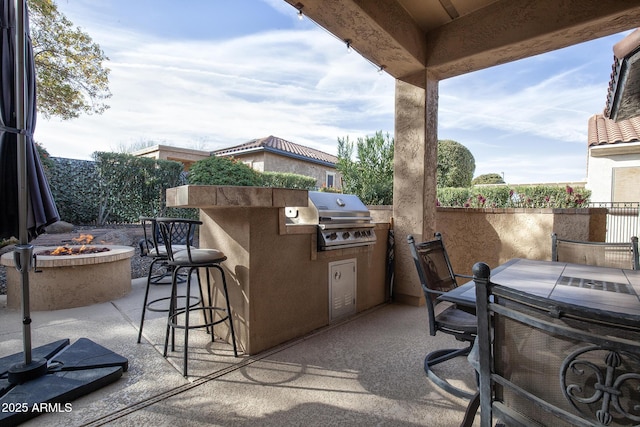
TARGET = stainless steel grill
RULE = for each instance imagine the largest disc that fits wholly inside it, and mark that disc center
(342, 220)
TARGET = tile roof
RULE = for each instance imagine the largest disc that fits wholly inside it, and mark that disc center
(280, 146)
(623, 95)
(605, 131)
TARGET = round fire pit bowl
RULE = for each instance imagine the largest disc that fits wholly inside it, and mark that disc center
(68, 281)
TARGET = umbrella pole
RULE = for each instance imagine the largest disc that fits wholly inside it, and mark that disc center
(29, 369)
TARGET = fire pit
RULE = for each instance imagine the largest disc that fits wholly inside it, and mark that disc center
(98, 273)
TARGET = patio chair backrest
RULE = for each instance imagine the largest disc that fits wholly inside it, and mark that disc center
(434, 271)
(182, 234)
(149, 240)
(601, 254)
(174, 232)
(546, 363)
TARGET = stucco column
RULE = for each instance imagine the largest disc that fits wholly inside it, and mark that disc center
(414, 185)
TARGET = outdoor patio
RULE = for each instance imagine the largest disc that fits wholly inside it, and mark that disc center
(367, 370)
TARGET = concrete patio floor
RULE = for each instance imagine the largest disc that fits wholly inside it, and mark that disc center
(365, 370)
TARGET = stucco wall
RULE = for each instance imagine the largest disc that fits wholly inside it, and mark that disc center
(265, 161)
(254, 160)
(276, 163)
(494, 236)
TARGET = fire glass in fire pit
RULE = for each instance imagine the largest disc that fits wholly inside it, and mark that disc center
(73, 250)
(83, 240)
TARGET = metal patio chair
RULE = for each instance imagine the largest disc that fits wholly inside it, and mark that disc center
(153, 245)
(548, 363)
(601, 254)
(437, 277)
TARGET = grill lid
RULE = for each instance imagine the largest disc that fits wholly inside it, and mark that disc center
(331, 210)
(343, 221)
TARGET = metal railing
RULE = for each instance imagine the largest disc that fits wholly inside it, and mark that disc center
(623, 220)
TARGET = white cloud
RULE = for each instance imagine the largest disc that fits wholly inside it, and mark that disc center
(299, 85)
(557, 107)
(526, 169)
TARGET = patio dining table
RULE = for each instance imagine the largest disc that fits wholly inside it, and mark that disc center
(603, 288)
(529, 357)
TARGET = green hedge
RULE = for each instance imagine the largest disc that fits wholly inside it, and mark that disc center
(223, 171)
(115, 188)
(119, 188)
(520, 196)
(75, 188)
(229, 171)
(288, 180)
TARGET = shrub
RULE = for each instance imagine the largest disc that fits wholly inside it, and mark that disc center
(488, 178)
(116, 188)
(453, 196)
(223, 171)
(288, 180)
(456, 164)
(75, 189)
(524, 196)
(370, 176)
(131, 186)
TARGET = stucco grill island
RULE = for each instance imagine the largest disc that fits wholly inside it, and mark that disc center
(283, 283)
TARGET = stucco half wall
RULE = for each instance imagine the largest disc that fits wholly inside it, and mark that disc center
(493, 236)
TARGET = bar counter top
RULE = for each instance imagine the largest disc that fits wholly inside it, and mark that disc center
(221, 196)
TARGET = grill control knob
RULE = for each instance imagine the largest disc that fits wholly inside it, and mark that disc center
(357, 234)
(332, 236)
(345, 235)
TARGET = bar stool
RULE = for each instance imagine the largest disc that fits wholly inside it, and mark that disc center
(193, 259)
(152, 245)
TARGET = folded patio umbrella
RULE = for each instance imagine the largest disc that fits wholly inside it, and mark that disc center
(26, 203)
(30, 201)
(26, 207)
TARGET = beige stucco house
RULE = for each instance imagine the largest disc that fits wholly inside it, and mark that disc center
(273, 154)
(186, 156)
(270, 154)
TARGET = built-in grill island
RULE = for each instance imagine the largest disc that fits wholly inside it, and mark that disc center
(342, 220)
(296, 260)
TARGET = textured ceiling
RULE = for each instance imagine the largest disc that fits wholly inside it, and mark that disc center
(431, 14)
(453, 37)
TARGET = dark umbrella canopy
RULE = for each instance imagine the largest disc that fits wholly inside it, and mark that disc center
(26, 207)
(41, 208)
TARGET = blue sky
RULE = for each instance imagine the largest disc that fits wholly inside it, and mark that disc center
(208, 74)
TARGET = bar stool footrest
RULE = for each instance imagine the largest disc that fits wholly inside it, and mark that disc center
(173, 320)
(195, 302)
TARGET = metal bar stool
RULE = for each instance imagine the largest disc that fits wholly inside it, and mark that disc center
(193, 259)
(153, 245)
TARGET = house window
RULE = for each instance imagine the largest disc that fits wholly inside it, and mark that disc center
(331, 180)
(625, 184)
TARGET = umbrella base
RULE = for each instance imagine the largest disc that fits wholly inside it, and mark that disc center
(71, 371)
(23, 372)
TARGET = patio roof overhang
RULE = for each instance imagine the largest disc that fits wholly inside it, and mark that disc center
(454, 37)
